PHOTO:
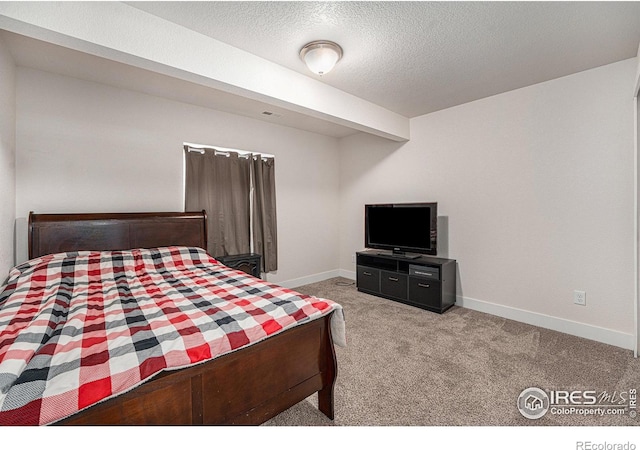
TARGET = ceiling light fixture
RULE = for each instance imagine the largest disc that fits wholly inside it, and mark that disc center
(321, 56)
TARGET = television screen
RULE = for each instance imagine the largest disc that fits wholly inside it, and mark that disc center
(399, 227)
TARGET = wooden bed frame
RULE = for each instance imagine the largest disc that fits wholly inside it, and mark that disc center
(245, 387)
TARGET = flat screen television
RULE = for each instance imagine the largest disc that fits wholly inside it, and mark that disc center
(408, 229)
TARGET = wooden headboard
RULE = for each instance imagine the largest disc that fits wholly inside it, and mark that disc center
(54, 233)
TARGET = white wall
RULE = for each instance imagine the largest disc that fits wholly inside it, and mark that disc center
(88, 147)
(537, 186)
(7, 160)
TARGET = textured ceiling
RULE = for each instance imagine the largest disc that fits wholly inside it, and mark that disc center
(418, 57)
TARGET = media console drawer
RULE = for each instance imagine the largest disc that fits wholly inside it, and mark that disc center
(393, 284)
(368, 279)
(424, 292)
(424, 271)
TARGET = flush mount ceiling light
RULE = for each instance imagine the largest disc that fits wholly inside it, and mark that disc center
(321, 56)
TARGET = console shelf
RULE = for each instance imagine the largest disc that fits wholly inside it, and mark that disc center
(426, 282)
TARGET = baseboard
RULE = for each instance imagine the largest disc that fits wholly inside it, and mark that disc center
(315, 278)
(582, 330)
(350, 274)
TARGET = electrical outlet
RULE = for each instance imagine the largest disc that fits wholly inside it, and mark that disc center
(580, 298)
(353, 258)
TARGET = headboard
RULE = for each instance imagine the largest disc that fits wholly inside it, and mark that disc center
(54, 233)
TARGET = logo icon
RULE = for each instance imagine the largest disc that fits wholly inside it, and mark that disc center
(533, 403)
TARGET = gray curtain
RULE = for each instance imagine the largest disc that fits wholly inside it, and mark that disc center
(265, 232)
(220, 185)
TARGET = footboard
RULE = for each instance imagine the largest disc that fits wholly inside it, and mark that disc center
(248, 386)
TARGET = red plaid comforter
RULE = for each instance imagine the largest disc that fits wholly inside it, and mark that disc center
(81, 327)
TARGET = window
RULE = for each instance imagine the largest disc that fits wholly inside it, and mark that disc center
(237, 190)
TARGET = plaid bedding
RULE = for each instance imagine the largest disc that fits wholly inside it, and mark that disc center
(78, 328)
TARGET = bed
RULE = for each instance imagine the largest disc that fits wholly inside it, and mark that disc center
(291, 358)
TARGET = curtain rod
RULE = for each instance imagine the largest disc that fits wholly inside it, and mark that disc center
(221, 150)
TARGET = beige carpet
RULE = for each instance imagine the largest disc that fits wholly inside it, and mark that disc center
(407, 367)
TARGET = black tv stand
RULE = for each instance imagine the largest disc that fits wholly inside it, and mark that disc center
(423, 281)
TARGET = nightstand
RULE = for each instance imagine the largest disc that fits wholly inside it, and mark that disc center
(247, 262)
